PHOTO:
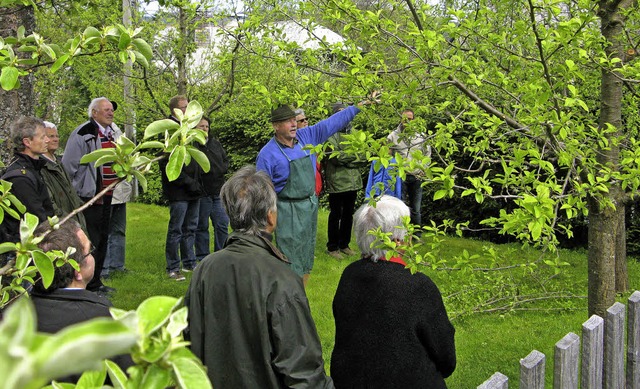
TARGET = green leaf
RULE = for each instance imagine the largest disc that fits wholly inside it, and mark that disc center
(126, 145)
(59, 62)
(92, 379)
(159, 127)
(141, 59)
(190, 374)
(151, 145)
(17, 204)
(106, 158)
(9, 77)
(91, 32)
(78, 347)
(143, 47)
(440, 194)
(6, 247)
(97, 154)
(141, 179)
(176, 160)
(200, 157)
(45, 267)
(154, 312)
(124, 41)
(192, 114)
(117, 376)
(178, 322)
(28, 225)
(18, 326)
(156, 378)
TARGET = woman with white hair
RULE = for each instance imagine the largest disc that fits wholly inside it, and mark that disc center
(62, 194)
(392, 329)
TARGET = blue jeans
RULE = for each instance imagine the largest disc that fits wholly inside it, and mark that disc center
(211, 208)
(183, 222)
(116, 242)
(412, 192)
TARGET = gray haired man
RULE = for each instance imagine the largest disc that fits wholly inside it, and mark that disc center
(247, 308)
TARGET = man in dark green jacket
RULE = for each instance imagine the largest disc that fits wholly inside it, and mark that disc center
(249, 318)
(343, 180)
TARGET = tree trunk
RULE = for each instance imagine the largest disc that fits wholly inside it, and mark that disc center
(181, 53)
(603, 231)
(17, 102)
(622, 277)
(604, 222)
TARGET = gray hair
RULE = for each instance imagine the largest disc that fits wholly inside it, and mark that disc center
(49, 124)
(94, 104)
(387, 214)
(299, 111)
(248, 196)
(24, 127)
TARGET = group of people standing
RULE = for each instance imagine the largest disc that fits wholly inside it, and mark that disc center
(49, 185)
(194, 199)
(249, 317)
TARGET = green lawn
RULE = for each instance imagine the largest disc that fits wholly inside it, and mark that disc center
(486, 342)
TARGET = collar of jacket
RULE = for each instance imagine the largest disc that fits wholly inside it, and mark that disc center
(37, 164)
(262, 240)
(73, 295)
(90, 128)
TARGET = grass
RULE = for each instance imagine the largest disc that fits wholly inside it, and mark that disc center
(485, 342)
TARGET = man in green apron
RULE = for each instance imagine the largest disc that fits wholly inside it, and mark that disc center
(292, 171)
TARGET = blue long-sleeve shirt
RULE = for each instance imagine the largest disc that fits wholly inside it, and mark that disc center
(272, 160)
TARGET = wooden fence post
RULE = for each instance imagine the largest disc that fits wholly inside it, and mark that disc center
(592, 353)
(614, 376)
(565, 365)
(532, 371)
(496, 381)
(633, 342)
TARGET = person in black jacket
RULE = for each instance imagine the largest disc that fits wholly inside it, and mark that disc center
(67, 301)
(210, 204)
(30, 141)
(392, 329)
(184, 195)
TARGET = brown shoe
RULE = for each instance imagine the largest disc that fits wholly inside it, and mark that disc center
(336, 254)
(348, 251)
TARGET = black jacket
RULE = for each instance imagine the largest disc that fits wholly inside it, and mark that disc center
(64, 307)
(29, 187)
(187, 186)
(249, 319)
(213, 180)
(392, 329)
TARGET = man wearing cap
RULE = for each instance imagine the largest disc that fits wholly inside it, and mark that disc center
(88, 180)
(292, 171)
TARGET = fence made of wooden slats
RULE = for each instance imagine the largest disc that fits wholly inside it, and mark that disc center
(599, 363)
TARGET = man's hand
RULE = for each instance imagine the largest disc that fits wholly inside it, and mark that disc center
(373, 98)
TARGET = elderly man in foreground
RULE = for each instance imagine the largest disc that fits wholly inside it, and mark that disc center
(392, 329)
(249, 318)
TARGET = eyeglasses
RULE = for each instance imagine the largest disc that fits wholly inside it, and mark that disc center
(302, 120)
(91, 251)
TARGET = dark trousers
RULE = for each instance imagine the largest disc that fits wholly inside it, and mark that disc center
(412, 193)
(341, 207)
(98, 217)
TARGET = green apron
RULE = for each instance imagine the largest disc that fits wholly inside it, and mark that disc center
(298, 215)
